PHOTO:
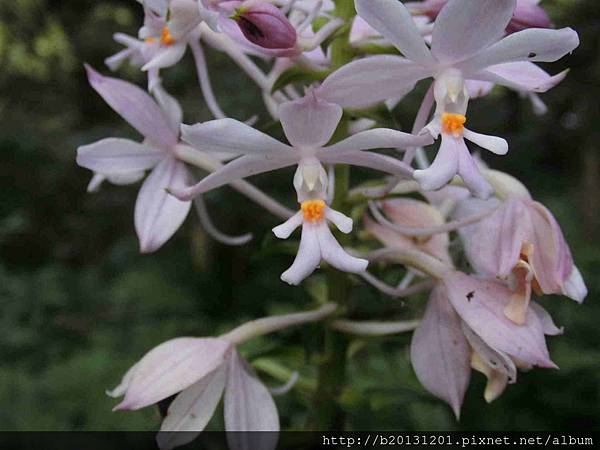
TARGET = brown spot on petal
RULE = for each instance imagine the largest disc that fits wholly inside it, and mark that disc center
(532, 55)
(470, 296)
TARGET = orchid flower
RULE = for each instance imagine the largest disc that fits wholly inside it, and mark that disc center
(308, 123)
(157, 214)
(168, 27)
(482, 54)
(522, 243)
(199, 371)
(317, 242)
(464, 326)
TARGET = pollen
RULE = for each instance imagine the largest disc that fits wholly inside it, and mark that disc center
(166, 38)
(313, 210)
(453, 123)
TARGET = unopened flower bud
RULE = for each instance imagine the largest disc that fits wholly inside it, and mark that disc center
(528, 14)
(266, 26)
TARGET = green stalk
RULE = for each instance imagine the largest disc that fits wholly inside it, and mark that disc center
(331, 379)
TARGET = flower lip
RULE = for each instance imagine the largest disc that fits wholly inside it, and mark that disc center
(166, 38)
(313, 210)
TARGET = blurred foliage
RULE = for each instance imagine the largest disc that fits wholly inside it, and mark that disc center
(79, 305)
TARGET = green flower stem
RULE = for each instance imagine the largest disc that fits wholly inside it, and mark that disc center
(331, 379)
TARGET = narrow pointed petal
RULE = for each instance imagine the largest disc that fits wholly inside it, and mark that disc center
(248, 405)
(444, 167)
(471, 175)
(494, 144)
(242, 167)
(191, 410)
(158, 215)
(166, 57)
(341, 221)
(118, 156)
(334, 254)
(172, 367)
(382, 163)
(376, 139)
(532, 45)
(135, 106)
(121, 389)
(548, 324)
(371, 80)
(286, 229)
(521, 76)
(464, 28)
(395, 23)
(230, 136)
(310, 121)
(439, 352)
(307, 259)
(481, 304)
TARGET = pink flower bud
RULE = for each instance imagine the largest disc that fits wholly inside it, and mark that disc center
(266, 26)
(528, 14)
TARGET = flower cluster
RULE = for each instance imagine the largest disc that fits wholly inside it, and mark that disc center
(352, 62)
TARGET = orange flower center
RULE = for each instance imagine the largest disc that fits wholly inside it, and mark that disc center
(166, 38)
(453, 123)
(313, 210)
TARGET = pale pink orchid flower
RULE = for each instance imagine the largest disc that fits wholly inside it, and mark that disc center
(157, 214)
(308, 123)
(468, 43)
(168, 27)
(199, 371)
(522, 243)
(464, 327)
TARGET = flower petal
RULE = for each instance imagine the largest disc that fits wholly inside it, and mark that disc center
(118, 156)
(471, 175)
(334, 254)
(548, 324)
(521, 76)
(371, 80)
(230, 136)
(159, 215)
(286, 229)
(166, 57)
(309, 121)
(574, 287)
(464, 28)
(248, 406)
(170, 106)
(376, 139)
(444, 167)
(481, 304)
(382, 163)
(395, 23)
(493, 245)
(172, 367)
(135, 106)
(191, 410)
(242, 167)
(533, 44)
(494, 144)
(341, 221)
(439, 352)
(307, 259)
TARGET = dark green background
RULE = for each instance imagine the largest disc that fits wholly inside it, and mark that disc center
(79, 304)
